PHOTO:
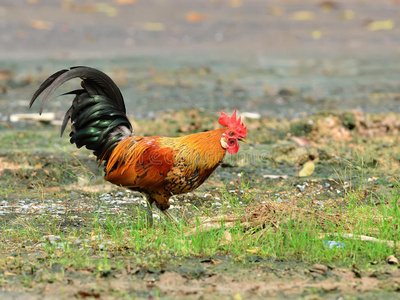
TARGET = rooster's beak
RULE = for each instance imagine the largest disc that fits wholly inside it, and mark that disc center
(242, 140)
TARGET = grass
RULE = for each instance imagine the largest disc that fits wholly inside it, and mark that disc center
(295, 238)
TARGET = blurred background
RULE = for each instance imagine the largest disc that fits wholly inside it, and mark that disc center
(281, 58)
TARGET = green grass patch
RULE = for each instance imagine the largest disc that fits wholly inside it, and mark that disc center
(288, 233)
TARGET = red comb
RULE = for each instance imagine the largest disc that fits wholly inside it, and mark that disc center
(231, 122)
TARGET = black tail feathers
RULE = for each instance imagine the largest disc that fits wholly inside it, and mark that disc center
(97, 113)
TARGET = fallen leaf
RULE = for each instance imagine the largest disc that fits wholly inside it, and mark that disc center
(150, 26)
(347, 15)
(9, 274)
(107, 9)
(275, 11)
(226, 238)
(254, 251)
(299, 141)
(79, 8)
(89, 37)
(328, 5)
(237, 297)
(316, 34)
(5, 75)
(121, 2)
(83, 294)
(303, 16)
(380, 25)
(194, 17)
(41, 25)
(385, 95)
(216, 262)
(236, 3)
(307, 170)
(89, 8)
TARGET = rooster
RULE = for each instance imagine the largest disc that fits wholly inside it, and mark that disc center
(157, 167)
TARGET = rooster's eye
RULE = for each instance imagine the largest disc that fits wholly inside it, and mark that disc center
(231, 133)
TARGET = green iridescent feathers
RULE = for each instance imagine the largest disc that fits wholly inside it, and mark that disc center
(97, 112)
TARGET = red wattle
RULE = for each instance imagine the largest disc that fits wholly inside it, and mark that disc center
(233, 147)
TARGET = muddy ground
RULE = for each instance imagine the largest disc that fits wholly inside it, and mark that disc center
(219, 279)
(317, 79)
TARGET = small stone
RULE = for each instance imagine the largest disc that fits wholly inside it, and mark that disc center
(301, 188)
(40, 245)
(392, 260)
(52, 238)
(105, 196)
(97, 237)
(329, 287)
(60, 246)
(319, 268)
(78, 242)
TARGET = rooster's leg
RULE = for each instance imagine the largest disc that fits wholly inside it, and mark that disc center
(170, 217)
(149, 212)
